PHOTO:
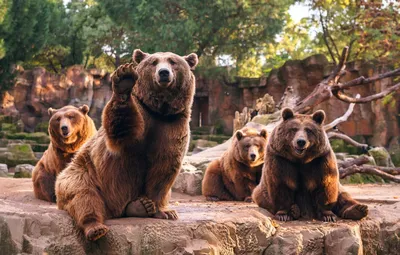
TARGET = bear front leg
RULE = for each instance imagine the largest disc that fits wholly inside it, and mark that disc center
(213, 187)
(121, 117)
(325, 199)
(43, 184)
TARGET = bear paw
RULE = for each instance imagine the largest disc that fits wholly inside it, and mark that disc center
(95, 231)
(355, 212)
(212, 199)
(123, 79)
(295, 211)
(283, 215)
(166, 215)
(328, 216)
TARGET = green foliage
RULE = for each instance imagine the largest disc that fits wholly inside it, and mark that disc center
(206, 27)
(24, 30)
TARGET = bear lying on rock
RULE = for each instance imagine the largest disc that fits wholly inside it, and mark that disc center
(235, 175)
(300, 175)
(69, 128)
(137, 153)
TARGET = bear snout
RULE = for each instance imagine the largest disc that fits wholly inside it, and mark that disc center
(301, 143)
(253, 156)
(64, 130)
(164, 75)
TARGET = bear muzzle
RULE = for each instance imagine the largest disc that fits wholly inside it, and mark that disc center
(164, 77)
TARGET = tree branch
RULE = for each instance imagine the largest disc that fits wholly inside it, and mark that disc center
(357, 161)
(342, 118)
(365, 169)
(362, 80)
(347, 139)
(342, 96)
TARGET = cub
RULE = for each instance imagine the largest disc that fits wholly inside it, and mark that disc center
(69, 128)
(300, 174)
(136, 155)
(238, 171)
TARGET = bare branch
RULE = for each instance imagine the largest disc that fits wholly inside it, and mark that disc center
(342, 96)
(347, 139)
(325, 37)
(340, 67)
(365, 169)
(389, 170)
(357, 161)
(362, 80)
(343, 118)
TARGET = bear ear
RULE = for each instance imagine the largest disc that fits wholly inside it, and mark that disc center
(264, 133)
(287, 113)
(51, 111)
(139, 55)
(239, 135)
(84, 109)
(319, 116)
(192, 60)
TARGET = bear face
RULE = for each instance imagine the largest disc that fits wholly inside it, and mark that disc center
(249, 146)
(300, 137)
(67, 124)
(166, 82)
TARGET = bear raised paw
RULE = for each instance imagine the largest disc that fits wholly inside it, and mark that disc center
(301, 169)
(129, 166)
(238, 171)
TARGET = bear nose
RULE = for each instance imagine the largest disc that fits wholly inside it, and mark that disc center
(64, 129)
(301, 143)
(163, 73)
(253, 156)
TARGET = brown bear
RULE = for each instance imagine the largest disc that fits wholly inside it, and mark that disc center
(69, 128)
(300, 175)
(235, 175)
(137, 153)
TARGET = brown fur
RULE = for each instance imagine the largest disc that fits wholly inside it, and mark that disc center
(306, 177)
(61, 149)
(236, 174)
(139, 150)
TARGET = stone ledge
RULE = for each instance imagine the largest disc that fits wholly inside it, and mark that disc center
(31, 226)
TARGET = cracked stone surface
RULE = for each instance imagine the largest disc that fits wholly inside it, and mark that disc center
(31, 226)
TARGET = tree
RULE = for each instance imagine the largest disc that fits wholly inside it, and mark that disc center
(24, 30)
(370, 28)
(206, 27)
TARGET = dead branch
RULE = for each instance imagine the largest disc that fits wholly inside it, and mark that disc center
(347, 139)
(330, 87)
(389, 170)
(343, 118)
(366, 169)
(357, 162)
(342, 96)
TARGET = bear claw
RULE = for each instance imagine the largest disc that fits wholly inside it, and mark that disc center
(123, 72)
(166, 215)
(283, 216)
(149, 205)
(95, 231)
(212, 199)
(328, 216)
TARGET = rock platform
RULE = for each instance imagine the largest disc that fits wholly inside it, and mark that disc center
(31, 226)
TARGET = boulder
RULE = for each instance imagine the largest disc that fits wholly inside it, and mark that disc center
(381, 156)
(17, 153)
(3, 170)
(23, 171)
(189, 180)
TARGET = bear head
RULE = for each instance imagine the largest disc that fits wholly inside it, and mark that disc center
(249, 146)
(68, 124)
(166, 83)
(300, 137)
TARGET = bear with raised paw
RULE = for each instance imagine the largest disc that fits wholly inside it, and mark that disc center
(235, 175)
(69, 128)
(300, 176)
(137, 153)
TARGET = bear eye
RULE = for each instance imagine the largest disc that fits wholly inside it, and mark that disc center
(247, 146)
(58, 119)
(71, 117)
(309, 131)
(155, 62)
(294, 129)
(171, 62)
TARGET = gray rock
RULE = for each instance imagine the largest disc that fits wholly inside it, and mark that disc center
(189, 180)
(381, 156)
(23, 171)
(3, 170)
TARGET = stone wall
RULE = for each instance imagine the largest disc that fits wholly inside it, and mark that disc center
(215, 102)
